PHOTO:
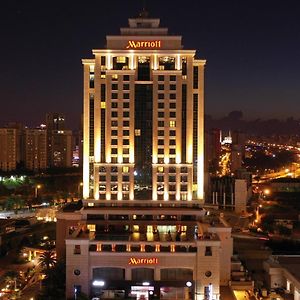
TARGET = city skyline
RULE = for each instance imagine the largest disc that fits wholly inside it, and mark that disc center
(251, 52)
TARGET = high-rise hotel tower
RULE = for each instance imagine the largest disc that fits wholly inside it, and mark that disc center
(143, 117)
(141, 232)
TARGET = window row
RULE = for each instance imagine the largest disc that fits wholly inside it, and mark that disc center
(163, 77)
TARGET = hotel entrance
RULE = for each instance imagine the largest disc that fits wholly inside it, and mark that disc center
(142, 292)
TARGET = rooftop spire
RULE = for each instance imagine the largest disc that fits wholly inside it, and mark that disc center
(144, 13)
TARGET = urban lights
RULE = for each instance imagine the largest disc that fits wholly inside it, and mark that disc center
(98, 283)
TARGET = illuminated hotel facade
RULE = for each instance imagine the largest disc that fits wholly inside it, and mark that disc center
(141, 231)
(143, 116)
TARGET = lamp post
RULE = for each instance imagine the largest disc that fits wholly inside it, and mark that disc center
(80, 185)
(36, 188)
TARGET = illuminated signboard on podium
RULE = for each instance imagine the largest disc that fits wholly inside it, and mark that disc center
(143, 44)
(142, 261)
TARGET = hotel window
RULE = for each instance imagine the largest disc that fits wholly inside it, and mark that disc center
(125, 123)
(121, 59)
(102, 75)
(172, 87)
(114, 105)
(161, 77)
(103, 60)
(161, 105)
(172, 96)
(160, 179)
(160, 151)
(183, 178)
(161, 87)
(114, 86)
(125, 96)
(208, 251)
(114, 178)
(114, 142)
(172, 151)
(184, 66)
(91, 227)
(126, 86)
(114, 96)
(172, 77)
(161, 114)
(125, 169)
(114, 77)
(103, 89)
(114, 151)
(161, 142)
(183, 170)
(161, 123)
(172, 187)
(125, 132)
(137, 132)
(184, 188)
(172, 178)
(172, 133)
(125, 187)
(126, 142)
(114, 133)
(77, 249)
(172, 114)
(125, 151)
(172, 124)
(161, 96)
(172, 170)
(114, 123)
(161, 133)
(92, 77)
(167, 62)
(126, 160)
(125, 178)
(120, 62)
(114, 114)
(103, 105)
(102, 178)
(172, 105)
(126, 78)
(125, 104)
(195, 77)
(160, 169)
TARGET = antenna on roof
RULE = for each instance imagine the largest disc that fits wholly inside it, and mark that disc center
(144, 13)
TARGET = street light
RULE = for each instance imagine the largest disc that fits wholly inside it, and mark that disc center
(37, 187)
(79, 189)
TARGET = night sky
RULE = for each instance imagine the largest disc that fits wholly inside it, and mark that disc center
(252, 50)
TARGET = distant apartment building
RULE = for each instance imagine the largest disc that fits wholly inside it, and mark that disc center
(8, 149)
(59, 141)
(35, 141)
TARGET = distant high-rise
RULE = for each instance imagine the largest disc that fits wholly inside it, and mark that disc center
(35, 148)
(59, 141)
(55, 121)
(9, 145)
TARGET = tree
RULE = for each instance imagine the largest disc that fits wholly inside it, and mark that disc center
(54, 285)
(47, 260)
(11, 277)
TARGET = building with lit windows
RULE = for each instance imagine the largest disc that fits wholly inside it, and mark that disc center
(35, 148)
(141, 231)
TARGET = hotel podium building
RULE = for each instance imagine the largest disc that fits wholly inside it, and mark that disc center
(140, 231)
